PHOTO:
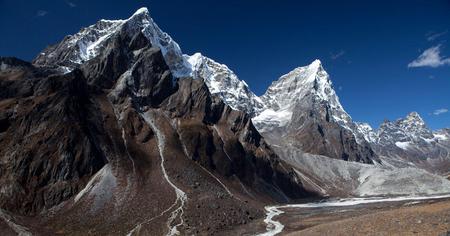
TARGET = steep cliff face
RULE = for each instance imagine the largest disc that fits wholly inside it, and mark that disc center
(49, 140)
(228, 139)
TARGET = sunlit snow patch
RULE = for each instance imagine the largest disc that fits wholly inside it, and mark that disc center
(403, 145)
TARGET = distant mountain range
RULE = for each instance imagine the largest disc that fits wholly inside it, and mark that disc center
(117, 131)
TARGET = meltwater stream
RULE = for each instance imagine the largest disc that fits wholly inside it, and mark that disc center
(274, 227)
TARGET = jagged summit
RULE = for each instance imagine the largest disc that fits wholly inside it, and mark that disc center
(402, 133)
(300, 82)
(281, 95)
(415, 128)
(303, 105)
(409, 142)
(306, 82)
(316, 62)
(414, 114)
(141, 11)
(413, 119)
(90, 41)
(313, 68)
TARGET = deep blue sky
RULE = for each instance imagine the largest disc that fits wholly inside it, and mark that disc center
(365, 46)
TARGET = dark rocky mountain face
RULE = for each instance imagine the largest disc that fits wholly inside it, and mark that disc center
(119, 146)
(49, 139)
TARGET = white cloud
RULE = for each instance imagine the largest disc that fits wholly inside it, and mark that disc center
(41, 13)
(71, 4)
(431, 58)
(335, 56)
(440, 111)
(434, 36)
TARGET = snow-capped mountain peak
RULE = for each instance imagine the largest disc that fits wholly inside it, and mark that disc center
(297, 84)
(408, 141)
(309, 84)
(316, 62)
(412, 122)
(141, 11)
(414, 127)
(283, 94)
(90, 41)
(405, 132)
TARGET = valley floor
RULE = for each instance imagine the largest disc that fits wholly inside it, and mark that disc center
(411, 218)
(428, 217)
(425, 217)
